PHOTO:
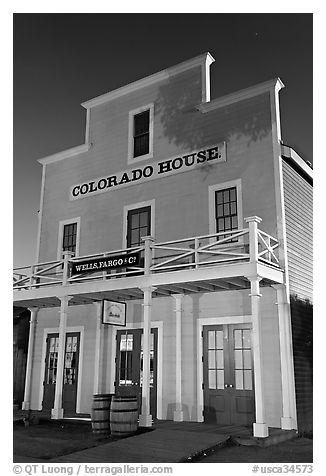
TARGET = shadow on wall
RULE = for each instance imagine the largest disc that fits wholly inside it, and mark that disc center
(185, 126)
(302, 334)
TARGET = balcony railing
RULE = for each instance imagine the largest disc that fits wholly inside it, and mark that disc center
(247, 245)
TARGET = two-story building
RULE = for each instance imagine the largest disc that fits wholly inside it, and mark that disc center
(168, 246)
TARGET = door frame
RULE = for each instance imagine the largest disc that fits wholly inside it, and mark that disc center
(140, 325)
(55, 330)
(210, 321)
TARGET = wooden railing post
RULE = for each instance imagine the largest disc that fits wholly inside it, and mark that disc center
(148, 241)
(67, 255)
(31, 278)
(253, 237)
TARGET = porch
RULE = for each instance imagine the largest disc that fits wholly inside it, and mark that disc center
(237, 260)
(201, 264)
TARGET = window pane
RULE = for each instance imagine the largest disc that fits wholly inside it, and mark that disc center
(143, 219)
(233, 208)
(234, 223)
(141, 123)
(135, 237)
(135, 220)
(141, 145)
(220, 224)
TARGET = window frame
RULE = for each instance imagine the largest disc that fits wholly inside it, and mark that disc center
(212, 189)
(132, 114)
(135, 206)
(62, 224)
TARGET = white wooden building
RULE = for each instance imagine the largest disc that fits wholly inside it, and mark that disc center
(190, 214)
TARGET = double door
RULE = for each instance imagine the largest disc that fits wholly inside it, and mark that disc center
(228, 375)
(70, 371)
(129, 365)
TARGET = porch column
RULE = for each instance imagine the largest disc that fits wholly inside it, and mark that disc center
(260, 428)
(178, 413)
(30, 354)
(283, 306)
(98, 349)
(57, 410)
(145, 418)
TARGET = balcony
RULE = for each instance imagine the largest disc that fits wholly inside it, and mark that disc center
(207, 263)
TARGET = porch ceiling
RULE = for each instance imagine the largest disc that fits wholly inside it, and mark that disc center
(134, 293)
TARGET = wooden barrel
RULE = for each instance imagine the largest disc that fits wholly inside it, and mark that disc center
(124, 415)
(101, 415)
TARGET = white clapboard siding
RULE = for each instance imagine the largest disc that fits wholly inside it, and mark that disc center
(298, 216)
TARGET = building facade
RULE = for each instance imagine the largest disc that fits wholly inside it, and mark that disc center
(188, 218)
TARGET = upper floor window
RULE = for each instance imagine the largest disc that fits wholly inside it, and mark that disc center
(68, 239)
(225, 207)
(141, 133)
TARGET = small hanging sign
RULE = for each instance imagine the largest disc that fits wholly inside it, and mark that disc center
(114, 313)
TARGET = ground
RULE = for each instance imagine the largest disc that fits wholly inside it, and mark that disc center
(298, 450)
(50, 439)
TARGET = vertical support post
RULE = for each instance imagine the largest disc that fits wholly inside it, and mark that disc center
(98, 349)
(253, 237)
(30, 354)
(148, 240)
(260, 428)
(178, 413)
(67, 255)
(57, 410)
(145, 418)
(283, 306)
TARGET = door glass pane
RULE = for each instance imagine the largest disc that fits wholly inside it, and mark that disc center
(211, 359)
(238, 339)
(70, 361)
(219, 339)
(247, 374)
(52, 361)
(220, 379)
(239, 379)
(125, 371)
(212, 379)
(219, 359)
(242, 359)
(247, 359)
(246, 338)
(238, 359)
(211, 339)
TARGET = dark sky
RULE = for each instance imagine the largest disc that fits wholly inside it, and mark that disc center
(61, 60)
